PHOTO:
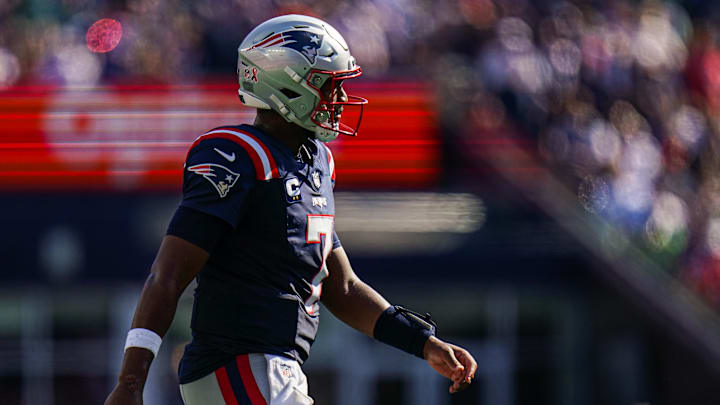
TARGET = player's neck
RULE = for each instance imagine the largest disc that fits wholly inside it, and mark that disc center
(291, 135)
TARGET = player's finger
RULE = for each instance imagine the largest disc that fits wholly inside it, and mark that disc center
(454, 365)
(468, 361)
(458, 386)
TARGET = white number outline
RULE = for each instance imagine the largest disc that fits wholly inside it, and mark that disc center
(319, 225)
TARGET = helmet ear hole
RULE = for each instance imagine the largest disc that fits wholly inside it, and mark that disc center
(289, 93)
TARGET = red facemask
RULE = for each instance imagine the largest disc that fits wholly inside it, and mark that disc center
(328, 113)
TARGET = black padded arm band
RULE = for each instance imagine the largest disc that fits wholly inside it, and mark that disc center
(404, 329)
(198, 228)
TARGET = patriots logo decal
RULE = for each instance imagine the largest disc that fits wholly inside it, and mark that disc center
(305, 42)
(220, 176)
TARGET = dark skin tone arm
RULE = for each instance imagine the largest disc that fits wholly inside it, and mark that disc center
(358, 305)
(176, 264)
(352, 301)
(344, 294)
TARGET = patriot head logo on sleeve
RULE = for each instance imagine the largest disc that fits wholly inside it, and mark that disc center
(220, 176)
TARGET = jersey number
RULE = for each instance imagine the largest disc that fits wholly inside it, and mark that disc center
(319, 230)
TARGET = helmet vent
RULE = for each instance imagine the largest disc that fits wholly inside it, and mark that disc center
(289, 93)
(301, 26)
(267, 36)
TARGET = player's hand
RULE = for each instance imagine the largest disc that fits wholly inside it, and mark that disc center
(451, 361)
(126, 392)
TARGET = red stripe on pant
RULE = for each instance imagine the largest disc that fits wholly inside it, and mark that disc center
(251, 387)
(225, 387)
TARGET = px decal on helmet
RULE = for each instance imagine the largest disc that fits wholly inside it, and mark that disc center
(296, 65)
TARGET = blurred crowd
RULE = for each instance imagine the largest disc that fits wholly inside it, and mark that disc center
(620, 98)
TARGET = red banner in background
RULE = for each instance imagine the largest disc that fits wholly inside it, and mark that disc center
(132, 137)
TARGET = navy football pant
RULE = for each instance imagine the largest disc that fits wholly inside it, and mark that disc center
(250, 379)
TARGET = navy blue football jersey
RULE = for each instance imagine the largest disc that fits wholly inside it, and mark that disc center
(259, 291)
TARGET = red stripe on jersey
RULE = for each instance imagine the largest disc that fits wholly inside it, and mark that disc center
(254, 156)
(225, 387)
(257, 162)
(251, 387)
(273, 165)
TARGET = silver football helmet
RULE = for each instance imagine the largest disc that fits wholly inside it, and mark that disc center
(295, 65)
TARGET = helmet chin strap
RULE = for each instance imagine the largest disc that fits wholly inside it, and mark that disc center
(321, 134)
(325, 135)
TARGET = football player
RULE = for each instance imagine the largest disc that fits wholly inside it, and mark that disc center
(256, 229)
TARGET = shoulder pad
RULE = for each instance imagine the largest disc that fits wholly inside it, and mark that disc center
(257, 151)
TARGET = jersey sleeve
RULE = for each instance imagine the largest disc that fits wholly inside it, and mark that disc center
(217, 178)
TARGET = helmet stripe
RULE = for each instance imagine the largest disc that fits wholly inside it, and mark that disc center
(279, 41)
(266, 40)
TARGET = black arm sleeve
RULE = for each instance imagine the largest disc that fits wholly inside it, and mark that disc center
(198, 228)
(405, 329)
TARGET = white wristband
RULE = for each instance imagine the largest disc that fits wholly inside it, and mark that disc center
(144, 338)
